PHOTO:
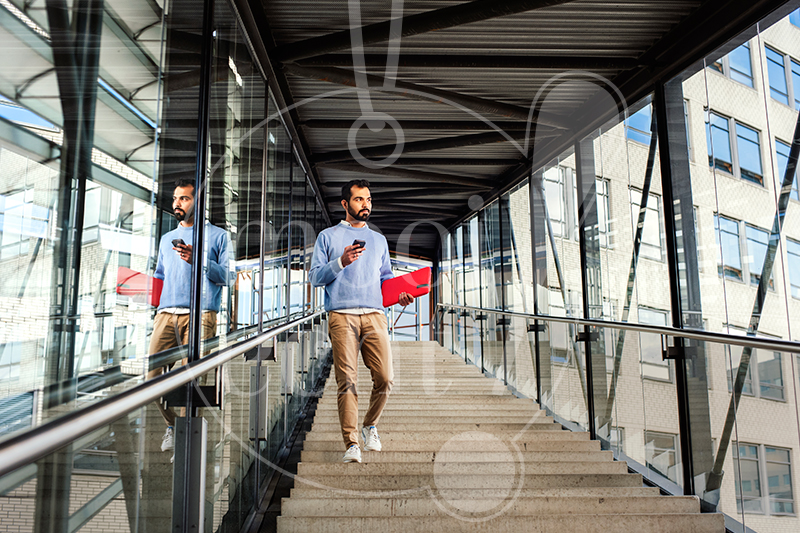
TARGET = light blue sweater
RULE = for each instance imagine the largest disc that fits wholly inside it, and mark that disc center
(359, 283)
(177, 273)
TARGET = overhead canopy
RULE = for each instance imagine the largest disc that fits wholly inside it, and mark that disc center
(481, 91)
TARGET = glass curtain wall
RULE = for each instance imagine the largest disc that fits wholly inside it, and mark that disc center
(704, 239)
(93, 149)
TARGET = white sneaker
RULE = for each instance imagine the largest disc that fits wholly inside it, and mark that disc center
(352, 455)
(372, 441)
(168, 440)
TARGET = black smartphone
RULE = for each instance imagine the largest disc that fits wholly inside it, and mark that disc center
(176, 242)
(359, 244)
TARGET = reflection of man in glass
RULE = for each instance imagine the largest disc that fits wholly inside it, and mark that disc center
(171, 325)
(351, 261)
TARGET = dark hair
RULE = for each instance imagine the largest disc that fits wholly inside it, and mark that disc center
(346, 189)
(184, 182)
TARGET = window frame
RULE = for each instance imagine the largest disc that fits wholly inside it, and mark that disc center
(675, 451)
(764, 497)
(658, 213)
(754, 370)
(792, 88)
(722, 271)
(725, 66)
(733, 145)
(665, 363)
(795, 193)
(792, 243)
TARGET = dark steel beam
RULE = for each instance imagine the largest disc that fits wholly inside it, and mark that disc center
(394, 172)
(414, 91)
(452, 161)
(525, 62)
(421, 193)
(470, 125)
(444, 143)
(438, 19)
(380, 185)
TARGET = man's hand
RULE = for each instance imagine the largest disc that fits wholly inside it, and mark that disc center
(351, 253)
(185, 251)
(405, 299)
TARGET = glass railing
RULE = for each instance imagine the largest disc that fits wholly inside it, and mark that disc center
(742, 447)
(103, 468)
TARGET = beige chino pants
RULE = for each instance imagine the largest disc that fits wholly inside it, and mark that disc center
(370, 334)
(171, 330)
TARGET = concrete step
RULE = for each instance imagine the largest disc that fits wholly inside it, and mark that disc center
(501, 469)
(453, 436)
(482, 494)
(428, 457)
(462, 481)
(585, 523)
(471, 401)
(391, 445)
(401, 506)
(329, 405)
(451, 427)
(404, 418)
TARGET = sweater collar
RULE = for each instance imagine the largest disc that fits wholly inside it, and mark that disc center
(346, 223)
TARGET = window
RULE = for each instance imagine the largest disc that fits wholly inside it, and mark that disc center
(554, 199)
(749, 152)
(736, 65)
(661, 454)
(748, 483)
(793, 258)
(782, 155)
(10, 361)
(757, 242)
(727, 232)
(782, 86)
(651, 231)
(718, 140)
(757, 462)
(603, 212)
(776, 70)
(20, 219)
(653, 364)
(765, 369)
(794, 17)
(637, 126)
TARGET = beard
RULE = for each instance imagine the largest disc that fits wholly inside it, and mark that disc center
(182, 215)
(362, 216)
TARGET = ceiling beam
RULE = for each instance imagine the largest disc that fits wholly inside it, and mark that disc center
(414, 91)
(429, 177)
(514, 62)
(435, 20)
(379, 195)
(468, 125)
(444, 143)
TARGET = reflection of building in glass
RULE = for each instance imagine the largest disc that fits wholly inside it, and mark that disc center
(743, 106)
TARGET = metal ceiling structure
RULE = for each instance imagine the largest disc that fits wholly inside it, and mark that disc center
(460, 80)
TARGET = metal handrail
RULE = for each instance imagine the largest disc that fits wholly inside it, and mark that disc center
(43, 440)
(722, 338)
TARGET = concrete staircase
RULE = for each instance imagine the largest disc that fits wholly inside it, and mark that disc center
(461, 453)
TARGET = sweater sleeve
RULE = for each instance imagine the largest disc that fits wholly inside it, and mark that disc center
(219, 270)
(323, 269)
(386, 264)
(159, 273)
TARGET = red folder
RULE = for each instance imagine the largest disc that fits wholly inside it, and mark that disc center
(415, 283)
(133, 283)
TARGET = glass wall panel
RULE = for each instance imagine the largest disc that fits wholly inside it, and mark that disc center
(459, 338)
(741, 281)
(95, 226)
(472, 290)
(491, 278)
